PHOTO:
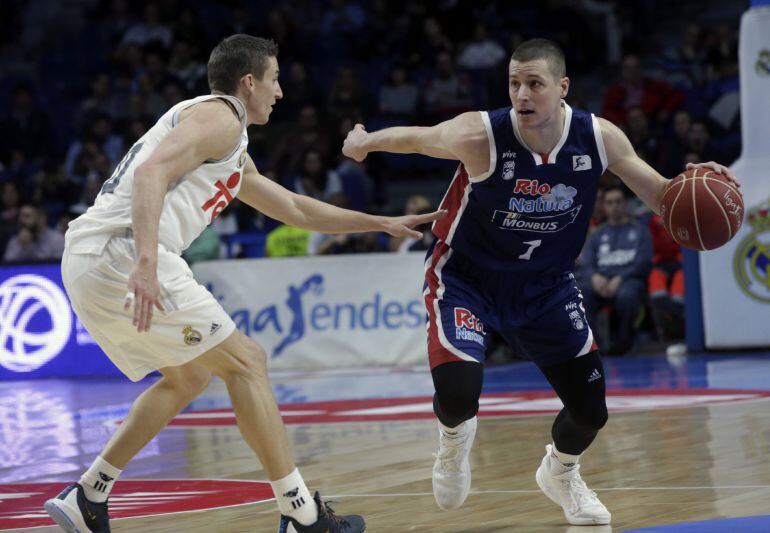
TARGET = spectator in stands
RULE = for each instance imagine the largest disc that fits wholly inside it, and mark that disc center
(674, 146)
(617, 259)
(482, 52)
(655, 97)
(429, 45)
(350, 243)
(346, 96)
(415, 204)
(34, 240)
(666, 283)
(187, 68)
(150, 30)
(305, 134)
(287, 241)
(299, 92)
(205, 248)
(315, 178)
(26, 127)
(700, 142)
(11, 203)
(399, 96)
(98, 137)
(447, 93)
(638, 129)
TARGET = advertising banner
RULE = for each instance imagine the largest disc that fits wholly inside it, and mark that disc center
(326, 311)
(40, 336)
(735, 279)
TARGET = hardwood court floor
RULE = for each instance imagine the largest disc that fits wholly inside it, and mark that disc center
(650, 467)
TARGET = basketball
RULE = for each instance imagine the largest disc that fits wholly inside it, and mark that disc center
(701, 209)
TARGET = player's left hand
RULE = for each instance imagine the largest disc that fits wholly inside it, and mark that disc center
(402, 226)
(719, 169)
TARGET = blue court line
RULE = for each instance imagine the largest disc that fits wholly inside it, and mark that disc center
(747, 524)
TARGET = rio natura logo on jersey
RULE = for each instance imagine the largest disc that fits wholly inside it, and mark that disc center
(751, 263)
(35, 322)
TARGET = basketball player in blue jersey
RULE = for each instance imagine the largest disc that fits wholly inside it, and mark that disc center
(519, 207)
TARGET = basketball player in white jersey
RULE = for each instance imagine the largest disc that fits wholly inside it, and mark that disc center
(138, 299)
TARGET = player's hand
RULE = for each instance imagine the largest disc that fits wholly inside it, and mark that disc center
(144, 292)
(353, 147)
(402, 226)
(599, 284)
(719, 169)
(612, 286)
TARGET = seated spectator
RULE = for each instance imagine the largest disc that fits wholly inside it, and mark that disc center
(34, 240)
(701, 143)
(644, 142)
(150, 30)
(415, 204)
(304, 135)
(11, 202)
(350, 243)
(655, 97)
(205, 247)
(617, 262)
(666, 283)
(346, 97)
(315, 178)
(26, 127)
(185, 67)
(674, 146)
(286, 241)
(99, 137)
(482, 52)
(399, 96)
(447, 92)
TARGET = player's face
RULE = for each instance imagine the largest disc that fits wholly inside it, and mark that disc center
(535, 92)
(264, 94)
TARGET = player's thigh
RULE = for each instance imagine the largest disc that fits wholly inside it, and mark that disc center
(561, 332)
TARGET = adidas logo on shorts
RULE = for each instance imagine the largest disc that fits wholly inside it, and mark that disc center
(594, 376)
(214, 328)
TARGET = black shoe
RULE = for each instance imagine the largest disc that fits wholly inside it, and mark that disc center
(74, 513)
(327, 522)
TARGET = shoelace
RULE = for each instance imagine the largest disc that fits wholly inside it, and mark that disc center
(580, 492)
(334, 518)
(449, 450)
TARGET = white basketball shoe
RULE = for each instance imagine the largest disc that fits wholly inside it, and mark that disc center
(581, 505)
(452, 469)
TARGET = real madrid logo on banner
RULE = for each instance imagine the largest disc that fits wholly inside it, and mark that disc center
(751, 264)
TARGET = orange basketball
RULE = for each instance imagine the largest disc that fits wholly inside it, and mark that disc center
(701, 209)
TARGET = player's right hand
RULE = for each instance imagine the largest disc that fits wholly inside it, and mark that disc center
(144, 292)
(353, 147)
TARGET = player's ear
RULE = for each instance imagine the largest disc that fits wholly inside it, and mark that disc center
(564, 82)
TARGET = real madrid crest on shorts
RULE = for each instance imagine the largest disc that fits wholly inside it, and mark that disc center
(191, 336)
(751, 263)
(242, 158)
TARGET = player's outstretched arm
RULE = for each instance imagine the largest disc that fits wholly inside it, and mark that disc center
(637, 174)
(208, 130)
(622, 161)
(463, 138)
(279, 203)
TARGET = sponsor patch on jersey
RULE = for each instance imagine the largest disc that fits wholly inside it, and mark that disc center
(468, 327)
(505, 404)
(21, 504)
(581, 162)
(537, 224)
(541, 197)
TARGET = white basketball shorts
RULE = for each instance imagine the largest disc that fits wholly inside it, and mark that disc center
(193, 321)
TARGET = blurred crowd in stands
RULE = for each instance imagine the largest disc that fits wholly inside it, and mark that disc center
(81, 81)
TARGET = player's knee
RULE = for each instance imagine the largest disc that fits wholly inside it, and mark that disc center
(592, 419)
(250, 363)
(455, 406)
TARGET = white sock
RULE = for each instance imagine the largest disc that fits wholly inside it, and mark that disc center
(294, 498)
(456, 431)
(562, 462)
(98, 480)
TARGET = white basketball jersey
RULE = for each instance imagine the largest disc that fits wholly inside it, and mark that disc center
(191, 203)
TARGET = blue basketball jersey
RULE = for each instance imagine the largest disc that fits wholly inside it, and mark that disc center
(529, 212)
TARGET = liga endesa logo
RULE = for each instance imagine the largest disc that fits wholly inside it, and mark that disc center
(21, 504)
(491, 405)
